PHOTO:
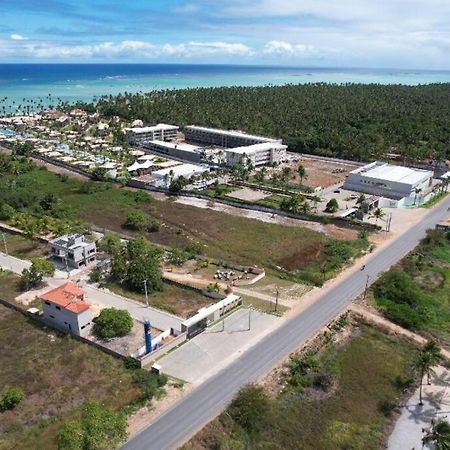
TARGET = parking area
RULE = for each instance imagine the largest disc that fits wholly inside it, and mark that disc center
(208, 352)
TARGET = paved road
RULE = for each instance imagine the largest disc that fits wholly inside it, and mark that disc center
(181, 421)
(159, 319)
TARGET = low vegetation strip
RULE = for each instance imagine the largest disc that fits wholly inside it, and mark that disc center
(416, 292)
(339, 398)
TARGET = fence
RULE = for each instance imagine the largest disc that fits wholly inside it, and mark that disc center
(148, 359)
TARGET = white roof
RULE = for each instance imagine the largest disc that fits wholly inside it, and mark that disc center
(135, 166)
(180, 170)
(257, 147)
(178, 145)
(160, 126)
(399, 174)
(231, 133)
(205, 312)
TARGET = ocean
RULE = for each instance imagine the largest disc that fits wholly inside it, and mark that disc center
(31, 84)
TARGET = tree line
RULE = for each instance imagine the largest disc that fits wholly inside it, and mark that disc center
(352, 121)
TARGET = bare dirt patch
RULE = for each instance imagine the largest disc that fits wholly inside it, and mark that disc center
(321, 173)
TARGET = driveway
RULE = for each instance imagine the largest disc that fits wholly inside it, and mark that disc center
(216, 347)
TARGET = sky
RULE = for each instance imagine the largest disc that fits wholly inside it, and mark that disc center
(413, 34)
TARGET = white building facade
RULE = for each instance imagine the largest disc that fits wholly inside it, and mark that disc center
(256, 154)
(140, 135)
(400, 186)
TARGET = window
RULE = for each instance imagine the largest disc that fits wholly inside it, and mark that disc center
(48, 303)
(52, 316)
(58, 308)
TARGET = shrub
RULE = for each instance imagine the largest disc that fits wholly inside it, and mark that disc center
(11, 398)
(33, 276)
(113, 322)
(332, 206)
(136, 220)
(250, 409)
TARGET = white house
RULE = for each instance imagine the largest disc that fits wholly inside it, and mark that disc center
(65, 308)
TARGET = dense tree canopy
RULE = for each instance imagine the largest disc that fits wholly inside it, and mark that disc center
(353, 121)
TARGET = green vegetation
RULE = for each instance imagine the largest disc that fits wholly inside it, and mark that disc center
(58, 374)
(414, 293)
(33, 276)
(10, 286)
(112, 322)
(281, 249)
(332, 206)
(429, 357)
(439, 435)
(339, 398)
(11, 398)
(98, 429)
(353, 121)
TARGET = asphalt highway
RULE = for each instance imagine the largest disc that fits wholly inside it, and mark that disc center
(174, 427)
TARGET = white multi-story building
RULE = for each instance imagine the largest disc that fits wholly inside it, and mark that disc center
(73, 250)
(140, 135)
(223, 138)
(403, 185)
(65, 308)
(256, 154)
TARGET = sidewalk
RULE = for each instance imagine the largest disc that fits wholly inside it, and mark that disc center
(408, 431)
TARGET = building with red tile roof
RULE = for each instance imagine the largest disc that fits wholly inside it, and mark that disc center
(65, 308)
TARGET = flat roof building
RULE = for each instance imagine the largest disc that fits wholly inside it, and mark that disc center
(140, 135)
(64, 308)
(257, 154)
(223, 138)
(390, 181)
(164, 177)
(73, 250)
(181, 150)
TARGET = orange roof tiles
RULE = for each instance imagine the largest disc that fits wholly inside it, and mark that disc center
(68, 296)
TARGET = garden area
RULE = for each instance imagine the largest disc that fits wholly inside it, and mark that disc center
(338, 398)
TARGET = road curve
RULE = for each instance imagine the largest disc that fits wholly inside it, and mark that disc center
(186, 417)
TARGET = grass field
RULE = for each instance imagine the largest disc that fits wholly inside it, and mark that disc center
(371, 371)
(9, 286)
(21, 247)
(224, 236)
(416, 292)
(57, 374)
(173, 299)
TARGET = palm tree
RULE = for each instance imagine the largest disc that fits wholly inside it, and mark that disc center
(428, 357)
(438, 435)
(302, 173)
(378, 214)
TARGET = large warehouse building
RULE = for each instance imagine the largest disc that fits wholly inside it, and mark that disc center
(402, 185)
(161, 132)
(223, 138)
(257, 154)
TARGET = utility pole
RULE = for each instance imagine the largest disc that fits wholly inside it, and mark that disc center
(276, 299)
(146, 293)
(4, 242)
(366, 287)
(249, 319)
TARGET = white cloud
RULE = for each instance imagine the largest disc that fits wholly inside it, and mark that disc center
(282, 48)
(18, 37)
(129, 49)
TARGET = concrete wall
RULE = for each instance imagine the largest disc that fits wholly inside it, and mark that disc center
(150, 358)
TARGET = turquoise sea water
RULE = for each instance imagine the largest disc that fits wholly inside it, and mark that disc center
(29, 84)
